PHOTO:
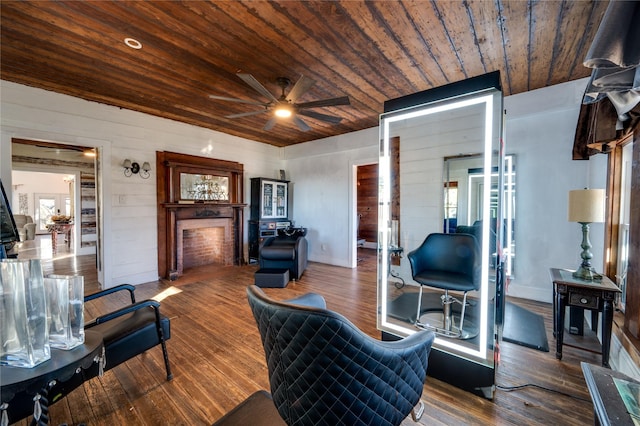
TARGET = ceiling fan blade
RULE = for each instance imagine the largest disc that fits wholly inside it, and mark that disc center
(302, 85)
(343, 100)
(246, 114)
(323, 117)
(251, 81)
(301, 124)
(244, 101)
(270, 124)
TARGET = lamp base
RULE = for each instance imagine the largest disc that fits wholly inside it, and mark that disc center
(587, 273)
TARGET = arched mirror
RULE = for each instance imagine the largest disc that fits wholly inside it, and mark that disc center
(440, 258)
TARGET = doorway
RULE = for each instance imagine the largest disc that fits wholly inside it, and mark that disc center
(50, 179)
(367, 205)
(366, 212)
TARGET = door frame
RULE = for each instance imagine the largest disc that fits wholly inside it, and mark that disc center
(102, 178)
(353, 208)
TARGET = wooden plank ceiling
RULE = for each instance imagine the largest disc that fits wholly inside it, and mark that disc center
(368, 51)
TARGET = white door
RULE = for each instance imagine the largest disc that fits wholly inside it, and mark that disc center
(48, 205)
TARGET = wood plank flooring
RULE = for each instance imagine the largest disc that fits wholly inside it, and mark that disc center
(217, 357)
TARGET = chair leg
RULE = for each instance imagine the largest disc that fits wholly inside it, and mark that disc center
(464, 305)
(165, 355)
(163, 343)
(417, 411)
(447, 314)
(419, 305)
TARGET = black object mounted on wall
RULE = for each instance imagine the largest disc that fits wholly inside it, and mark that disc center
(8, 230)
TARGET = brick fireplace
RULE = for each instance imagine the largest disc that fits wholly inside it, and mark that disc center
(194, 231)
(204, 242)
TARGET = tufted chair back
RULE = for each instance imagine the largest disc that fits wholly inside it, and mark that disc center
(448, 261)
(324, 371)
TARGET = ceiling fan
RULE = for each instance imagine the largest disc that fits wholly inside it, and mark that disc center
(285, 106)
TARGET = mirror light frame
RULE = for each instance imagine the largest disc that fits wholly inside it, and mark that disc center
(384, 222)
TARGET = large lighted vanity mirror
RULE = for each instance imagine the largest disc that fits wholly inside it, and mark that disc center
(441, 252)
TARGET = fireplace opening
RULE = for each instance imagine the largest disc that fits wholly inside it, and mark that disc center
(204, 242)
(202, 246)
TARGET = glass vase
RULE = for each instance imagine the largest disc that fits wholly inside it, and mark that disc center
(23, 314)
(65, 310)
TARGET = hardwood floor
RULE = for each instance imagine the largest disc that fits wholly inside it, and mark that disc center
(217, 357)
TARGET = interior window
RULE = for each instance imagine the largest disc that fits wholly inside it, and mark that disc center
(451, 200)
(622, 258)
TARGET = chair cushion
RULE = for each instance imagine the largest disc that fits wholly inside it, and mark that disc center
(279, 252)
(445, 280)
(256, 410)
(131, 334)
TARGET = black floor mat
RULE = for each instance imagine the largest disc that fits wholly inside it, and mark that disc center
(405, 306)
(525, 328)
(521, 326)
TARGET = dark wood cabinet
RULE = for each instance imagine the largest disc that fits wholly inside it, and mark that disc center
(269, 212)
(269, 199)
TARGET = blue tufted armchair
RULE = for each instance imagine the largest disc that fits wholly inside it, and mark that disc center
(324, 371)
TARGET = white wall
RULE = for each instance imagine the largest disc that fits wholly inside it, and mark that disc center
(323, 179)
(129, 204)
(33, 183)
(539, 127)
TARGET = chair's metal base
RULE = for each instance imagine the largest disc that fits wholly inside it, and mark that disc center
(417, 411)
(434, 321)
(444, 322)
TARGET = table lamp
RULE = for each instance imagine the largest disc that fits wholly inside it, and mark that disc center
(586, 206)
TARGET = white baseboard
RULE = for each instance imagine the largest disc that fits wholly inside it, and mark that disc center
(532, 293)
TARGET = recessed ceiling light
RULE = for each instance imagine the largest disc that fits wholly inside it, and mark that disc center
(133, 43)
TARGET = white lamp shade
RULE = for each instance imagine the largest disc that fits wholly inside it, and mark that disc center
(586, 205)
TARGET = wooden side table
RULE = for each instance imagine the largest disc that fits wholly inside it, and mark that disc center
(596, 296)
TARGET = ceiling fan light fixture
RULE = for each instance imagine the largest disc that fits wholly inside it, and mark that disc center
(286, 106)
(283, 111)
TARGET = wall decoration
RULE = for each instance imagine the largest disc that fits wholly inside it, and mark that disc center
(23, 203)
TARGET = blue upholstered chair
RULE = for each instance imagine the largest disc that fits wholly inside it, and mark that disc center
(324, 371)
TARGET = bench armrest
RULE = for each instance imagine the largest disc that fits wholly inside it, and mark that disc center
(128, 309)
(122, 287)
